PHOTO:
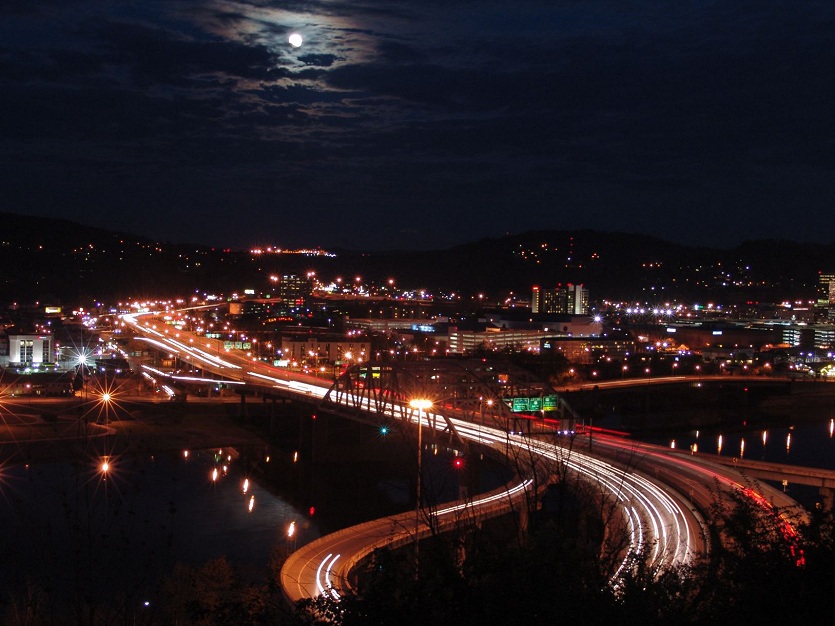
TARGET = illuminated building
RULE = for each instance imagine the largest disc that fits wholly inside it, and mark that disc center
(568, 300)
(319, 349)
(587, 350)
(26, 350)
(468, 341)
(292, 291)
(826, 294)
(826, 289)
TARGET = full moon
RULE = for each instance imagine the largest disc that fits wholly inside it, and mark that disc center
(295, 40)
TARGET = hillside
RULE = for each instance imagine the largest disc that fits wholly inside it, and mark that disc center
(64, 261)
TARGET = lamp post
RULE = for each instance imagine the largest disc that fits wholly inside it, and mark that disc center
(291, 534)
(421, 404)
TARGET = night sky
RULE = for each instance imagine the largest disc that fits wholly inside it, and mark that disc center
(420, 123)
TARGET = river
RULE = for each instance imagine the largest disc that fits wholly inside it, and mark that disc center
(80, 525)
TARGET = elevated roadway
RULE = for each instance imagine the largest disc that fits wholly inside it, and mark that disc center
(658, 495)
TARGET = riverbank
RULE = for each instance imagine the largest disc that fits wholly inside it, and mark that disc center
(48, 429)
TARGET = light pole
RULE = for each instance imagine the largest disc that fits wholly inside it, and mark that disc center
(421, 404)
(291, 534)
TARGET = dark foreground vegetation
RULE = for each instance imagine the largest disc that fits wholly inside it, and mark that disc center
(760, 573)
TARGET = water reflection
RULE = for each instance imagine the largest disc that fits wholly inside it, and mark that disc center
(125, 521)
(811, 445)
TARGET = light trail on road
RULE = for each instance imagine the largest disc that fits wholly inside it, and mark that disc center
(662, 525)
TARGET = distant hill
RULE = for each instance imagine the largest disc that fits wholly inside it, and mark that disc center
(64, 261)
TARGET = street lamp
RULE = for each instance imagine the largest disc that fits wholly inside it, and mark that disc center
(421, 404)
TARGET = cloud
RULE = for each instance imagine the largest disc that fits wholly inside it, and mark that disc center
(529, 111)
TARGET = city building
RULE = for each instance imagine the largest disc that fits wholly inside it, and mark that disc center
(520, 319)
(825, 302)
(562, 300)
(318, 349)
(818, 336)
(826, 289)
(389, 325)
(588, 350)
(261, 308)
(29, 350)
(699, 336)
(292, 291)
(468, 341)
(38, 384)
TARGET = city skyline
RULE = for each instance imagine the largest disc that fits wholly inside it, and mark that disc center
(420, 125)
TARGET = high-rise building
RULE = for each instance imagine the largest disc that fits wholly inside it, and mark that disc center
(292, 290)
(563, 300)
(577, 300)
(826, 289)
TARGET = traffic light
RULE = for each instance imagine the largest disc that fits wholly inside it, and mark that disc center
(458, 462)
(384, 430)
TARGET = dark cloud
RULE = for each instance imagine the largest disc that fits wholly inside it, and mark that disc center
(464, 119)
(397, 52)
(321, 60)
(157, 56)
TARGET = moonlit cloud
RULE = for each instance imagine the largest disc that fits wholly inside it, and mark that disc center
(465, 119)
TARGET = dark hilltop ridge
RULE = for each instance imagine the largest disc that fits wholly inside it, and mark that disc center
(62, 261)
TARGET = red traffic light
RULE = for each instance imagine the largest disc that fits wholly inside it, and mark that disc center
(458, 462)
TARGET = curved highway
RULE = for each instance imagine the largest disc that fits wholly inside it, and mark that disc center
(657, 494)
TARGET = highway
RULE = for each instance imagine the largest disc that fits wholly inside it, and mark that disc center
(323, 566)
(657, 494)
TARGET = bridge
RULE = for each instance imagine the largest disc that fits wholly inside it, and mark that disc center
(823, 479)
(658, 496)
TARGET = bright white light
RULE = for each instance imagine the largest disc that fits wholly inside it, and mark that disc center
(295, 40)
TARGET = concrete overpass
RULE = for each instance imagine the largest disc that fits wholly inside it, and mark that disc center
(823, 479)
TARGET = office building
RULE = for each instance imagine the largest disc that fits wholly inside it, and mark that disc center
(562, 300)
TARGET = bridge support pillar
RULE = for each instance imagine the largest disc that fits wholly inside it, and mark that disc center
(524, 520)
(827, 495)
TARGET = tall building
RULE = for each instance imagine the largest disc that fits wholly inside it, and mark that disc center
(577, 300)
(292, 291)
(826, 289)
(563, 300)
